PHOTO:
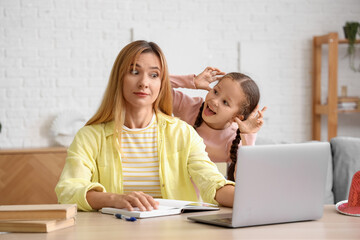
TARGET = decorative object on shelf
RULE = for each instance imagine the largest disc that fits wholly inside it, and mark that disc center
(65, 126)
(348, 103)
(344, 91)
(351, 30)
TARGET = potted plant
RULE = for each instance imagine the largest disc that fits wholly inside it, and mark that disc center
(350, 30)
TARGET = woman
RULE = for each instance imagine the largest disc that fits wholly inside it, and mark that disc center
(132, 149)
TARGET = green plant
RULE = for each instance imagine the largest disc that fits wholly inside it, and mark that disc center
(0, 127)
(351, 29)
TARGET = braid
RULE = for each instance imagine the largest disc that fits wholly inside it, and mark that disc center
(233, 156)
(199, 119)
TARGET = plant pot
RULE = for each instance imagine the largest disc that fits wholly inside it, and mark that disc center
(345, 32)
(350, 30)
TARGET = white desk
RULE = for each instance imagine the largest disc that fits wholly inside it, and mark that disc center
(105, 227)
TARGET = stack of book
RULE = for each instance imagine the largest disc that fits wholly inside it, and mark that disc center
(36, 218)
(348, 103)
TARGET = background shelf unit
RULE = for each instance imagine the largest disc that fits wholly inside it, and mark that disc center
(330, 108)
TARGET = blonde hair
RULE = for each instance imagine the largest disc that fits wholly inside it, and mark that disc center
(112, 107)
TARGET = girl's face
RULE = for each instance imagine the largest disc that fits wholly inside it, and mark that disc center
(142, 83)
(223, 104)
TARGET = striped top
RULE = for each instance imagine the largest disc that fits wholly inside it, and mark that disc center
(140, 162)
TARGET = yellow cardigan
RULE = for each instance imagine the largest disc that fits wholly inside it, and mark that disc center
(94, 163)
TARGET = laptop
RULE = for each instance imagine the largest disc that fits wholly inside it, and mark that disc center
(276, 184)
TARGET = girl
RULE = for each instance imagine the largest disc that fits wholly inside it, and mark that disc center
(132, 149)
(227, 118)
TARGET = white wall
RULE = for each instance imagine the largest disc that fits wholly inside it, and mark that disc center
(57, 55)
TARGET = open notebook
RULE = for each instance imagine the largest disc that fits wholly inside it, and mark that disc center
(166, 207)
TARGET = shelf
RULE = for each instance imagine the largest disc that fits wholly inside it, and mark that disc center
(323, 110)
(343, 41)
(329, 38)
(349, 111)
(331, 108)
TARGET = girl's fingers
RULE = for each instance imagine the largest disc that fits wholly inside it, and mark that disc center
(261, 113)
(254, 112)
(215, 71)
(237, 120)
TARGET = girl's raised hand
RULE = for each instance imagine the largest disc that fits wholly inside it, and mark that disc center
(253, 123)
(209, 75)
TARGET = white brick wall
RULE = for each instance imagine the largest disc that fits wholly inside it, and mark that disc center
(57, 55)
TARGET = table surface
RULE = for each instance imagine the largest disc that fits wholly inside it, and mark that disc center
(95, 225)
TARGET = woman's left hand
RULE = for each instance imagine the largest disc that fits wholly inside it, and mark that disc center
(253, 123)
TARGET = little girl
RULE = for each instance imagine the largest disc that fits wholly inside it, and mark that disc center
(227, 118)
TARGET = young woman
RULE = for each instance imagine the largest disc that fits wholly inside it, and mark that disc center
(227, 118)
(132, 149)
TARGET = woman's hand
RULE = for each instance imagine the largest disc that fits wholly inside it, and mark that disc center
(225, 195)
(140, 200)
(209, 75)
(253, 123)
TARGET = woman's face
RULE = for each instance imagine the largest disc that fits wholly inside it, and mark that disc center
(223, 103)
(142, 83)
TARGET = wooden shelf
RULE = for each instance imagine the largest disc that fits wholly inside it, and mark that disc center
(349, 111)
(342, 41)
(322, 109)
(331, 108)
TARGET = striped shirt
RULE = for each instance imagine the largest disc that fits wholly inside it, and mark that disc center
(140, 162)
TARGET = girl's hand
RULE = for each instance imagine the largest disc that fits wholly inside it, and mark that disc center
(209, 75)
(253, 123)
(140, 200)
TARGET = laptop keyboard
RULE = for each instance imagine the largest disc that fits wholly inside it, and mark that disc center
(223, 220)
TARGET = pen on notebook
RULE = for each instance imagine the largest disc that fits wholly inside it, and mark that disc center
(127, 218)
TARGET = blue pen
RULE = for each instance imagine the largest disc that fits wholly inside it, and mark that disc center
(127, 218)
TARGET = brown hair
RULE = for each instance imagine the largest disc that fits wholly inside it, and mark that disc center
(112, 107)
(252, 97)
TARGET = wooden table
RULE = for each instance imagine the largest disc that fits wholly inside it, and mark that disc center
(105, 227)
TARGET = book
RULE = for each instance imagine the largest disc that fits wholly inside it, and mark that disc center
(37, 211)
(166, 207)
(38, 226)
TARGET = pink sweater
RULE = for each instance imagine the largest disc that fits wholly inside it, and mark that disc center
(218, 142)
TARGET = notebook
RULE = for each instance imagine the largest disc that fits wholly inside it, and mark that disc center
(276, 184)
(166, 207)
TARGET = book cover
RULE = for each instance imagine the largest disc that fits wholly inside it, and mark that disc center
(37, 211)
(39, 226)
(166, 207)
